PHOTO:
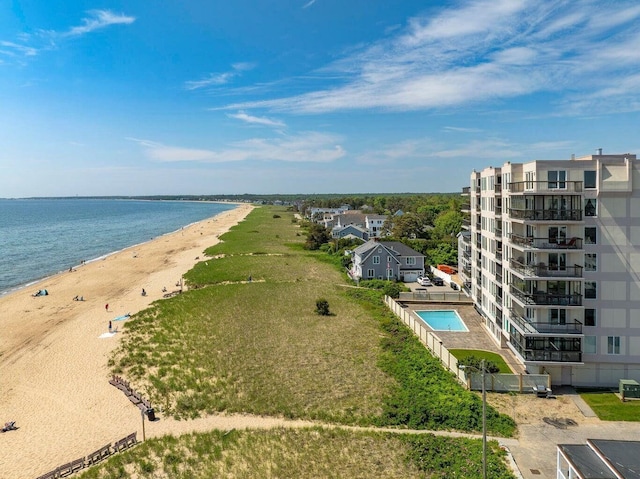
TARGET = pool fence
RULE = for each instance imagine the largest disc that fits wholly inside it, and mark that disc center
(521, 383)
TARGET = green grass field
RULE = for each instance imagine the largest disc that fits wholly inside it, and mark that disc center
(609, 407)
(230, 345)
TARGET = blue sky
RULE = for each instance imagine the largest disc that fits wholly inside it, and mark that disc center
(312, 96)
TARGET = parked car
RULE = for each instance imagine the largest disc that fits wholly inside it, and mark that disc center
(424, 281)
(438, 281)
(454, 286)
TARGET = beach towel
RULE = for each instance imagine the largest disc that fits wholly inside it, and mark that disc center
(123, 317)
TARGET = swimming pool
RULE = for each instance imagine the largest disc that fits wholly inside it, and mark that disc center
(443, 320)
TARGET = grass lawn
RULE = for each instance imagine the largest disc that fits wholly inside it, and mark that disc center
(486, 355)
(609, 407)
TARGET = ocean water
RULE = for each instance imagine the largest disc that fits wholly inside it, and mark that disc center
(42, 237)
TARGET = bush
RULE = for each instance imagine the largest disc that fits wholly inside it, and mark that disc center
(276, 216)
(392, 290)
(322, 307)
(475, 362)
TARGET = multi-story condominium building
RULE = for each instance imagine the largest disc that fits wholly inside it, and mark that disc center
(552, 262)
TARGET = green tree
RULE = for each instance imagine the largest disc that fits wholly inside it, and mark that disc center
(317, 235)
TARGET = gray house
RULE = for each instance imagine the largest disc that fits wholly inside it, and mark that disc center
(350, 231)
(389, 260)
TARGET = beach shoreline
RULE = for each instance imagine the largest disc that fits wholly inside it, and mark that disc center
(53, 360)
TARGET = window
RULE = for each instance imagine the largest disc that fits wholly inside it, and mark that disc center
(557, 179)
(557, 234)
(590, 235)
(376, 260)
(590, 207)
(411, 260)
(590, 179)
(590, 289)
(557, 316)
(613, 345)
(589, 345)
(371, 273)
(590, 262)
(589, 317)
(557, 262)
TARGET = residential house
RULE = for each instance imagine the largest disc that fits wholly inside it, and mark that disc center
(350, 231)
(390, 260)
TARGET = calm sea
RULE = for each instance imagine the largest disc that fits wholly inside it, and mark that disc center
(42, 237)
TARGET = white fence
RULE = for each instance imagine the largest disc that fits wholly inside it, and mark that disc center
(493, 382)
(437, 296)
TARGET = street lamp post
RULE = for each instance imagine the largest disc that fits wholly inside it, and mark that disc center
(484, 415)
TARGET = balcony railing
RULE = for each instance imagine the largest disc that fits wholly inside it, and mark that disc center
(555, 187)
(542, 270)
(542, 298)
(531, 327)
(466, 190)
(498, 232)
(497, 188)
(498, 210)
(551, 356)
(545, 214)
(547, 243)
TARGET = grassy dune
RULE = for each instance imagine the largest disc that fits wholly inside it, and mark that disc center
(258, 347)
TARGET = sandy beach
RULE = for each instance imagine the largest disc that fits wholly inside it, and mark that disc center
(54, 350)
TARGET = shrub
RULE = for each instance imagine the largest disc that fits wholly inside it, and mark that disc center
(322, 307)
(276, 216)
(475, 362)
(392, 289)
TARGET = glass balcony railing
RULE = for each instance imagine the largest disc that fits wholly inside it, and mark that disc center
(553, 187)
(551, 356)
(542, 298)
(542, 270)
(545, 214)
(531, 327)
(546, 243)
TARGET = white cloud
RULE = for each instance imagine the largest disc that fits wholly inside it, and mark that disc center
(241, 115)
(98, 19)
(484, 50)
(309, 3)
(461, 129)
(215, 79)
(13, 49)
(308, 147)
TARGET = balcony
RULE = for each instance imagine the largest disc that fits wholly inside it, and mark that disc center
(497, 210)
(549, 187)
(466, 223)
(465, 208)
(542, 270)
(530, 327)
(477, 190)
(545, 214)
(546, 243)
(541, 298)
(551, 356)
(498, 232)
(497, 188)
(466, 191)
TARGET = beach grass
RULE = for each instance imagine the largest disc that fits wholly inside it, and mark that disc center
(302, 453)
(259, 347)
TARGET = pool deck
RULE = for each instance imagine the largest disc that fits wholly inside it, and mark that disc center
(477, 337)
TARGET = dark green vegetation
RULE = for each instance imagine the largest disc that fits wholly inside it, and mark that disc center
(494, 363)
(427, 223)
(229, 344)
(608, 406)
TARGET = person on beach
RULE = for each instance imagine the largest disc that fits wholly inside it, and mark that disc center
(109, 326)
(106, 307)
(144, 293)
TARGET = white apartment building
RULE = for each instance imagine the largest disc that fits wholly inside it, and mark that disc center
(552, 262)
